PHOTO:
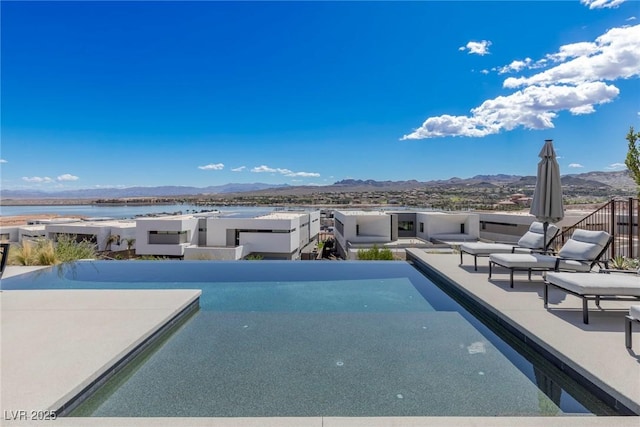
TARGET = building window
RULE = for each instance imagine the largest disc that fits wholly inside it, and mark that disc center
(357, 229)
(168, 237)
(422, 227)
(405, 225)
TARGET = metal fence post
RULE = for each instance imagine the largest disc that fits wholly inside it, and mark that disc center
(613, 228)
(630, 222)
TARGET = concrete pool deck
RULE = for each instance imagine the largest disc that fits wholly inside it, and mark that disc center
(596, 350)
(43, 365)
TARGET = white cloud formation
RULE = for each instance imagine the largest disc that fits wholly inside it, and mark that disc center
(3, 161)
(602, 4)
(616, 166)
(516, 66)
(37, 179)
(239, 169)
(67, 177)
(285, 172)
(212, 167)
(575, 86)
(575, 165)
(477, 48)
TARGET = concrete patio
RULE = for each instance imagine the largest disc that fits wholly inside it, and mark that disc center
(55, 342)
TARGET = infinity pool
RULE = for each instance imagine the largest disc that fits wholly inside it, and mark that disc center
(315, 338)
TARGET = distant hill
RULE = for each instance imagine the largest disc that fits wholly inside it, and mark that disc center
(119, 193)
(616, 180)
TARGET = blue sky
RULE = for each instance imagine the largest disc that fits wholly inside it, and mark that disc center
(120, 94)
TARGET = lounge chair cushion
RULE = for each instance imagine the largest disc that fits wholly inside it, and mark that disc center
(634, 311)
(537, 261)
(483, 248)
(597, 283)
(534, 238)
(584, 245)
(524, 261)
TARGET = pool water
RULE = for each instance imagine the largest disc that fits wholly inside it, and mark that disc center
(278, 338)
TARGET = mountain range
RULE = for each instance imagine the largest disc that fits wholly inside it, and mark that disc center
(615, 180)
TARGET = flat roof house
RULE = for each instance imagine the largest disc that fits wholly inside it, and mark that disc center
(360, 229)
(97, 232)
(278, 235)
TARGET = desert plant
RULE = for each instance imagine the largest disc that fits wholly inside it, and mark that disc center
(633, 157)
(22, 254)
(130, 241)
(68, 249)
(619, 263)
(45, 253)
(375, 253)
(113, 238)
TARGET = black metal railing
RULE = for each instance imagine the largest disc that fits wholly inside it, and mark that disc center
(618, 217)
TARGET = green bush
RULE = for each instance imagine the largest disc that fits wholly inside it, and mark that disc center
(375, 253)
(68, 249)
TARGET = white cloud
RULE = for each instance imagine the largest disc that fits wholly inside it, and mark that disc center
(265, 168)
(614, 55)
(214, 167)
(37, 179)
(516, 66)
(285, 172)
(3, 161)
(67, 177)
(576, 86)
(477, 48)
(631, 18)
(602, 4)
(575, 165)
(533, 108)
(240, 169)
(616, 166)
(304, 174)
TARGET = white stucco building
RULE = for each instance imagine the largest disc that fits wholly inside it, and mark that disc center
(360, 229)
(94, 231)
(278, 235)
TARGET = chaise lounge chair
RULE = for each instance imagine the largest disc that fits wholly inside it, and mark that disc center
(532, 240)
(580, 253)
(595, 287)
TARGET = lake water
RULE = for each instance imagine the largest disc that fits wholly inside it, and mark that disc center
(131, 211)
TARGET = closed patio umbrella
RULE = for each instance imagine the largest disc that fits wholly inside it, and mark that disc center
(547, 198)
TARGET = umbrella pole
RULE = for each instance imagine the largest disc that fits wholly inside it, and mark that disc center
(545, 225)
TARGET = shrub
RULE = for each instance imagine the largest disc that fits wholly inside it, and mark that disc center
(45, 252)
(375, 254)
(22, 254)
(68, 249)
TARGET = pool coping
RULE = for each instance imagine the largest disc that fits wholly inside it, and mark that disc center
(44, 367)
